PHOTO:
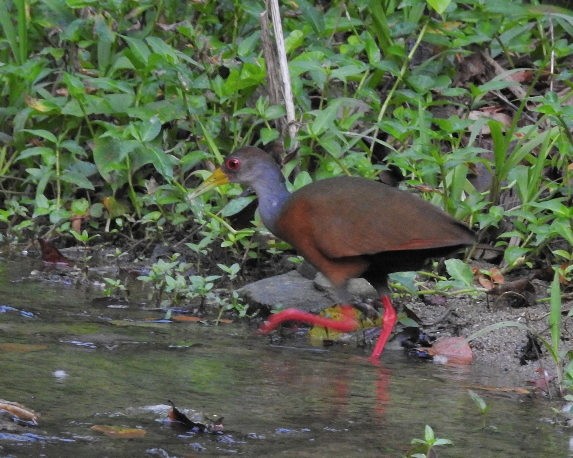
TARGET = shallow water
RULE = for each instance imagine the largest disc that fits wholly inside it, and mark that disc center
(96, 365)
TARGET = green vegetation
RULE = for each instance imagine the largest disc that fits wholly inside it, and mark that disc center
(423, 448)
(110, 110)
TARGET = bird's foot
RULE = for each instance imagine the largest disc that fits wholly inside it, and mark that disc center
(347, 324)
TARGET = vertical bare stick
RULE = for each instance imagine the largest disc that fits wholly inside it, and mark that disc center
(284, 71)
(274, 85)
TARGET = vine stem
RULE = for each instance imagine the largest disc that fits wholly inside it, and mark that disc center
(400, 78)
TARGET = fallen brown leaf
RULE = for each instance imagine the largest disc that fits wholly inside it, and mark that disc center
(21, 348)
(500, 389)
(20, 411)
(453, 350)
(51, 254)
(225, 321)
(181, 318)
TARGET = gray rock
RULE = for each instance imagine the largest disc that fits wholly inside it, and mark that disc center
(293, 290)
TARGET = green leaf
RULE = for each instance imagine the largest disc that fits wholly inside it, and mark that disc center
(429, 434)
(159, 46)
(324, 119)
(150, 129)
(442, 442)
(35, 151)
(80, 206)
(294, 40)
(162, 161)
(236, 205)
(77, 179)
(106, 37)
(312, 15)
(555, 313)
(268, 135)
(460, 271)
(74, 85)
(109, 155)
(249, 44)
(138, 48)
(479, 401)
(46, 135)
(439, 5)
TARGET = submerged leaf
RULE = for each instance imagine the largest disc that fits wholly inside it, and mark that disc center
(119, 432)
(338, 313)
(21, 348)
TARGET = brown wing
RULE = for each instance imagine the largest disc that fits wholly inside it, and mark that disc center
(345, 217)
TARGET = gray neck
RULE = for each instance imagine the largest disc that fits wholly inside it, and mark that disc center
(272, 194)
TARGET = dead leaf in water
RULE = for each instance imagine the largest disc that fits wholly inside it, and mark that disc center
(181, 318)
(20, 412)
(225, 321)
(338, 313)
(179, 419)
(500, 389)
(21, 348)
(175, 415)
(454, 350)
(119, 432)
(51, 254)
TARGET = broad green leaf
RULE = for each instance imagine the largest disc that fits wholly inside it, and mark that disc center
(77, 179)
(159, 46)
(268, 135)
(35, 151)
(429, 434)
(74, 85)
(294, 40)
(248, 45)
(150, 130)
(162, 161)
(439, 5)
(46, 135)
(138, 48)
(460, 271)
(109, 154)
(323, 119)
(236, 205)
(106, 37)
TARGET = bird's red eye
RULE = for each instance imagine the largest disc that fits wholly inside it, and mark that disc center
(233, 163)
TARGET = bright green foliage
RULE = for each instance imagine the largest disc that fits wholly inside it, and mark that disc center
(423, 447)
(124, 99)
(174, 284)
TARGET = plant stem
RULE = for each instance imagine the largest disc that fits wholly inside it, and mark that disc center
(399, 79)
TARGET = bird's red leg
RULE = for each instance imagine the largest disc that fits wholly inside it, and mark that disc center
(346, 324)
(388, 323)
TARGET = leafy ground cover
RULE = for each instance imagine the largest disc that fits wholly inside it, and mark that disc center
(111, 111)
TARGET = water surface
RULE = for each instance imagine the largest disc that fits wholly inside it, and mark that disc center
(95, 365)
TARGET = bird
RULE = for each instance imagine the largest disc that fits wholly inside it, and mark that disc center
(346, 227)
